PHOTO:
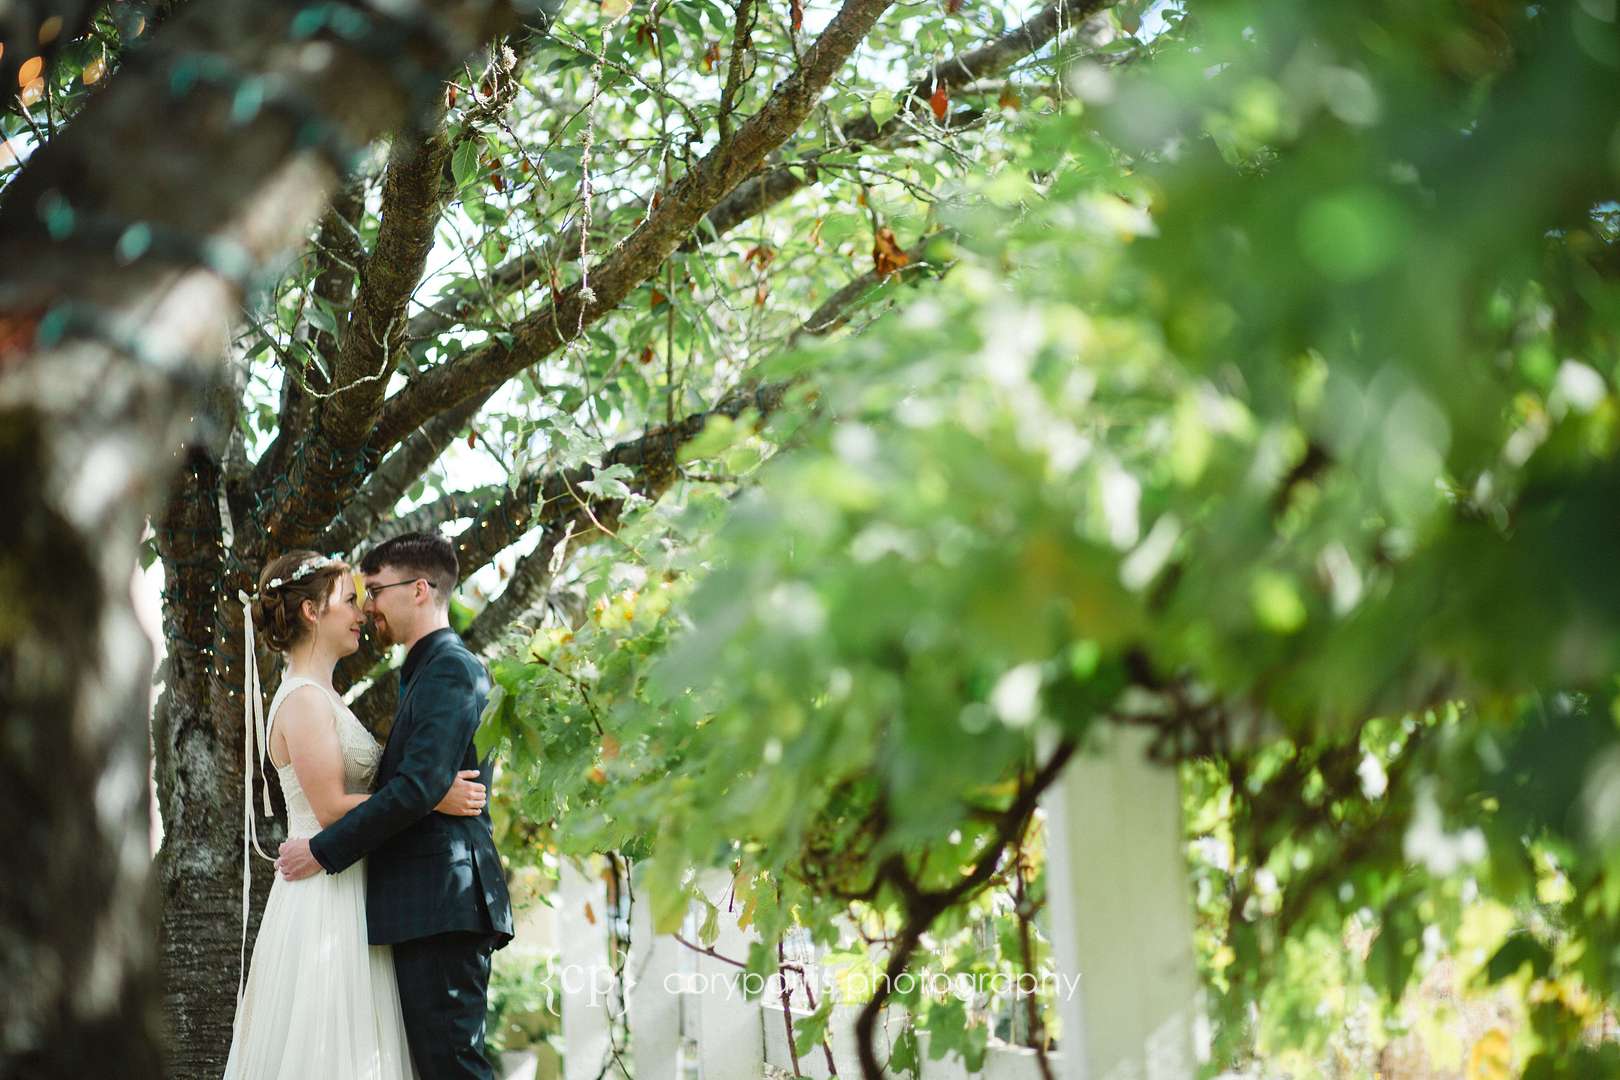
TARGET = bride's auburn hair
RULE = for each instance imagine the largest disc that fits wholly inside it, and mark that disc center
(276, 608)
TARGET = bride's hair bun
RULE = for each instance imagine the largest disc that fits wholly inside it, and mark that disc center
(277, 605)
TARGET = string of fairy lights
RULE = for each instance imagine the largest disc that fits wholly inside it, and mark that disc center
(195, 532)
(387, 33)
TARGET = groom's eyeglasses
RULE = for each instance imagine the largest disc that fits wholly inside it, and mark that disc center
(372, 591)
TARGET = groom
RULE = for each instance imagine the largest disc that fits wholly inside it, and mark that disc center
(435, 890)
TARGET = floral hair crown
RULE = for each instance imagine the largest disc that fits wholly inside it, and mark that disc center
(304, 570)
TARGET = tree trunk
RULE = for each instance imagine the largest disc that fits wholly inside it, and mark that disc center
(76, 977)
(127, 244)
(199, 780)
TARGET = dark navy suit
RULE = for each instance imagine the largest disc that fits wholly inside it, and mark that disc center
(434, 885)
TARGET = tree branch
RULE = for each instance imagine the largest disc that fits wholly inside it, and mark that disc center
(557, 504)
(634, 261)
(328, 464)
(338, 258)
(448, 312)
(525, 591)
(745, 13)
(923, 907)
(531, 576)
(557, 501)
(569, 518)
(834, 312)
(765, 189)
(449, 507)
(374, 503)
(375, 331)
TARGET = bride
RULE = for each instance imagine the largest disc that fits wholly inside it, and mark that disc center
(318, 1001)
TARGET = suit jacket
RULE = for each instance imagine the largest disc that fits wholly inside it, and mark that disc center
(426, 873)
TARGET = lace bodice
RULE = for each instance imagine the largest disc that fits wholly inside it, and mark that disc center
(361, 753)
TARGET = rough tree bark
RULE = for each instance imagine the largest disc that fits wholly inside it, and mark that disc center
(126, 244)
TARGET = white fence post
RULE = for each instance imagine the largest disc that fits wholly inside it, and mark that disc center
(730, 1032)
(652, 972)
(675, 993)
(587, 974)
(1121, 913)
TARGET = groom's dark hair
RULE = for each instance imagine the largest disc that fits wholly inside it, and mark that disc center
(425, 555)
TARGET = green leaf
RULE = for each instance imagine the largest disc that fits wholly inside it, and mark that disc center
(669, 896)
(561, 161)
(668, 909)
(1277, 604)
(1394, 951)
(689, 20)
(1517, 951)
(837, 228)
(609, 483)
(320, 316)
(709, 932)
(483, 212)
(491, 722)
(905, 1054)
(882, 106)
(809, 1031)
(717, 435)
(717, 18)
(464, 162)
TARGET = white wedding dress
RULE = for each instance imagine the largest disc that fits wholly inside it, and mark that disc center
(320, 1000)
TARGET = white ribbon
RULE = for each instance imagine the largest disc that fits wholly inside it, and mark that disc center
(253, 747)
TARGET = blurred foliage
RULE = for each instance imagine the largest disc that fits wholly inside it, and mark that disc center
(1268, 401)
(525, 1003)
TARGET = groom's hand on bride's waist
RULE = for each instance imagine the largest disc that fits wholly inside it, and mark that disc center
(294, 860)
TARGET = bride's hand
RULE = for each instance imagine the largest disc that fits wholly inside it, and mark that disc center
(466, 796)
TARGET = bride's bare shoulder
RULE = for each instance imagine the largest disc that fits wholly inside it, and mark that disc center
(305, 707)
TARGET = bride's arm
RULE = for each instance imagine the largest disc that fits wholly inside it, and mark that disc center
(305, 721)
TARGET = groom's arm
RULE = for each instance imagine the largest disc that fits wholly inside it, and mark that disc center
(445, 718)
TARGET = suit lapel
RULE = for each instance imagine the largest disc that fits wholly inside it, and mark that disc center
(401, 711)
